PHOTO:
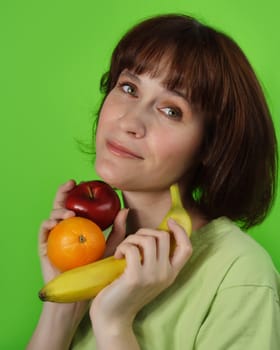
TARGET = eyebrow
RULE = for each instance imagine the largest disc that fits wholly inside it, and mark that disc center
(130, 75)
(178, 93)
(135, 77)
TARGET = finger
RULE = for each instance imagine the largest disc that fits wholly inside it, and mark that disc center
(45, 228)
(118, 231)
(183, 248)
(61, 214)
(44, 231)
(132, 255)
(163, 242)
(62, 193)
(161, 239)
(146, 244)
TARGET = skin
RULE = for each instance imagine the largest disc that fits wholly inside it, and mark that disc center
(148, 138)
(155, 124)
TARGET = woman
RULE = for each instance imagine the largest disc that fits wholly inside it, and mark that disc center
(181, 104)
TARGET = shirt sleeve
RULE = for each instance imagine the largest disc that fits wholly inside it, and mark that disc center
(242, 317)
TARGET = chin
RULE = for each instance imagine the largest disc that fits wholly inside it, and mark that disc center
(108, 175)
(117, 180)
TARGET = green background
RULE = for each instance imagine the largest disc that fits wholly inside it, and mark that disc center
(53, 53)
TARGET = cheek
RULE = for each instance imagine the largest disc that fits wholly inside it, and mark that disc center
(177, 147)
(104, 114)
(112, 106)
(104, 119)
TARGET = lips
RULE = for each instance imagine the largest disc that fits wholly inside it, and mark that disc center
(121, 151)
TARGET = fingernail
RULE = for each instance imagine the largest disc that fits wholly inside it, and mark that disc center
(172, 221)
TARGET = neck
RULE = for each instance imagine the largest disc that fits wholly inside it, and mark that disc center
(147, 209)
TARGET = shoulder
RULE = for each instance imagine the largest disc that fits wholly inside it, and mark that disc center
(243, 261)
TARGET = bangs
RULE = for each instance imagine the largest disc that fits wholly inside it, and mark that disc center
(185, 57)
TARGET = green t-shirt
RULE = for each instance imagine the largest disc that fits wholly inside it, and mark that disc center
(225, 298)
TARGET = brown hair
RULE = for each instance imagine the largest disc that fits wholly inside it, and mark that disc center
(237, 175)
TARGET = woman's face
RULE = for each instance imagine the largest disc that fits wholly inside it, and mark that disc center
(147, 137)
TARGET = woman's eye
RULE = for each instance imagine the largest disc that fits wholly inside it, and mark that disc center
(173, 113)
(128, 89)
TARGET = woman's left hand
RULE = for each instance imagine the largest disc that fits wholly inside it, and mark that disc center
(150, 270)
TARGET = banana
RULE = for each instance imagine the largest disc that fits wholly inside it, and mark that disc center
(176, 212)
(86, 281)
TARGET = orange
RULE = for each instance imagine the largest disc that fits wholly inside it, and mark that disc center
(75, 242)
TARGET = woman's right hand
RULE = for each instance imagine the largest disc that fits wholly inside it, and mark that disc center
(58, 319)
(58, 213)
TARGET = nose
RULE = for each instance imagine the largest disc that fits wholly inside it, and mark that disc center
(132, 122)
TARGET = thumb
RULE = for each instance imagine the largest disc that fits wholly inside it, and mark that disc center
(118, 232)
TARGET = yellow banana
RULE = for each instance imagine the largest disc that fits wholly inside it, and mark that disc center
(85, 282)
(176, 212)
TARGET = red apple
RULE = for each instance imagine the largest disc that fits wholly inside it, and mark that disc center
(94, 200)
